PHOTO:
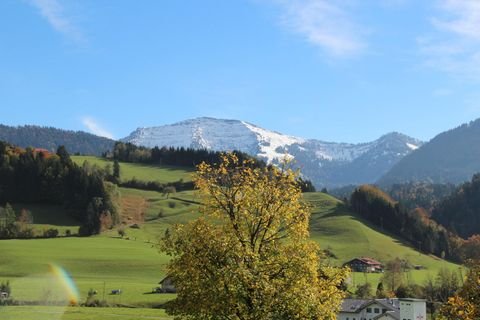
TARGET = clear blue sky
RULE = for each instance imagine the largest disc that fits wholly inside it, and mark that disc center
(343, 70)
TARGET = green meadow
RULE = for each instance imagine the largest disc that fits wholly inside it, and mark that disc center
(78, 313)
(135, 265)
(128, 171)
(348, 236)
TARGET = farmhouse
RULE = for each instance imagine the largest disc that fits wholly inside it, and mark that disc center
(383, 309)
(167, 285)
(364, 264)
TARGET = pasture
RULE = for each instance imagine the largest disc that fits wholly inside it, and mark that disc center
(78, 313)
(143, 172)
(135, 265)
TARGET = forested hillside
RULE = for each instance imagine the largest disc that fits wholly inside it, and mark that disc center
(30, 176)
(460, 212)
(414, 225)
(450, 157)
(420, 194)
(51, 138)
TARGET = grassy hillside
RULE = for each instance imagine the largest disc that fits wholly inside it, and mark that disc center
(135, 265)
(347, 235)
(143, 172)
(47, 216)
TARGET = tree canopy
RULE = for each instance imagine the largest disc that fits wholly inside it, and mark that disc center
(465, 305)
(249, 255)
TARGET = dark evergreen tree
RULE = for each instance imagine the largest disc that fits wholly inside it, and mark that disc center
(116, 170)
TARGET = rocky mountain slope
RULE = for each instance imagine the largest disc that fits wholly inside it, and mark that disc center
(327, 164)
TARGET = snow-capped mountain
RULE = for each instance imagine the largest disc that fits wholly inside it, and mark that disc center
(325, 163)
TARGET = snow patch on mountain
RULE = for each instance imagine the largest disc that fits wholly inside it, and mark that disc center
(326, 163)
(412, 146)
(273, 145)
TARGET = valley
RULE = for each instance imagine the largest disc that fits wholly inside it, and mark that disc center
(134, 264)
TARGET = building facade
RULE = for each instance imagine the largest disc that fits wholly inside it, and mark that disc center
(383, 309)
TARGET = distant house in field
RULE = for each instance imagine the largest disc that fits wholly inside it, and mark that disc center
(167, 285)
(364, 264)
(383, 309)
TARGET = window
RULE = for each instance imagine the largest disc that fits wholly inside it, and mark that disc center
(384, 310)
(376, 310)
(369, 310)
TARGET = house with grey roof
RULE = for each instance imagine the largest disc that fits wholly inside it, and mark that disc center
(383, 309)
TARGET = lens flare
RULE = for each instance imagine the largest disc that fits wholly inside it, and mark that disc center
(66, 282)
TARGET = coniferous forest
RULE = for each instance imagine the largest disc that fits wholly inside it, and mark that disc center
(36, 176)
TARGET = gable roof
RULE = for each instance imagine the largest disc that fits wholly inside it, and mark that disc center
(366, 260)
(390, 314)
(167, 278)
(356, 305)
(353, 305)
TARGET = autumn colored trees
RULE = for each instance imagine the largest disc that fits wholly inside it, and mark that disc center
(249, 256)
(465, 305)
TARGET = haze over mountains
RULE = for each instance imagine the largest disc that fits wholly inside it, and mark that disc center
(451, 156)
(51, 138)
(327, 164)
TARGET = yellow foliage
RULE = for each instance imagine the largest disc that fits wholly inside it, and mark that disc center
(249, 256)
(466, 304)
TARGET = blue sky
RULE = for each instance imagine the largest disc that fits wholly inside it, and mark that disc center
(343, 70)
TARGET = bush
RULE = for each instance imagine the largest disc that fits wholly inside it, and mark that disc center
(172, 204)
(26, 233)
(121, 232)
(161, 213)
(50, 233)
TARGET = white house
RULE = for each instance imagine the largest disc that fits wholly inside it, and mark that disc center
(413, 309)
(383, 309)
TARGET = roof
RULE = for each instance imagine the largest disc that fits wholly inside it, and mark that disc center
(168, 277)
(392, 314)
(412, 300)
(356, 305)
(367, 260)
(353, 305)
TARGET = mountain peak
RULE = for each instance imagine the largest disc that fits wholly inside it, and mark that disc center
(320, 161)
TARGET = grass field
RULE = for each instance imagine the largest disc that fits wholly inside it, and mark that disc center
(162, 174)
(49, 216)
(77, 313)
(135, 265)
(349, 236)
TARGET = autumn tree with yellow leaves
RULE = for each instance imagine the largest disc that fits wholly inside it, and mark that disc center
(249, 256)
(465, 305)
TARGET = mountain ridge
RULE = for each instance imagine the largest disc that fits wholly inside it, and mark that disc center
(321, 161)
(51, 138)
(450, 157)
